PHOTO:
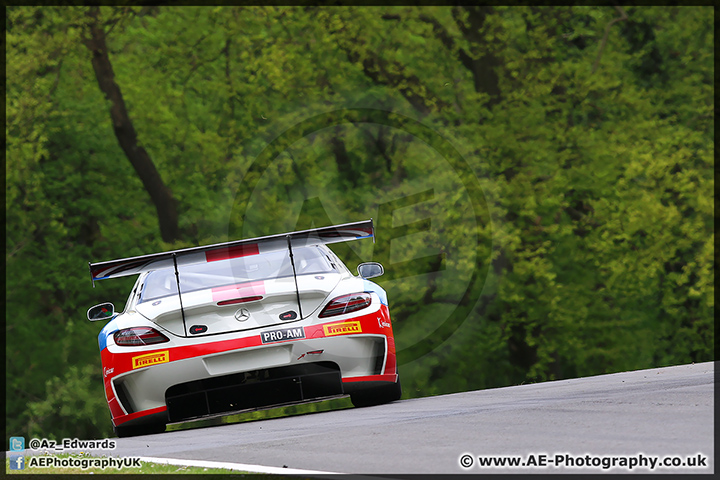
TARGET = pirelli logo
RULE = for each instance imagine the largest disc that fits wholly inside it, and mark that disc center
(150, 359)
(342, 328)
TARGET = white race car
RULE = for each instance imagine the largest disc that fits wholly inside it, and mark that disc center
(244, 325)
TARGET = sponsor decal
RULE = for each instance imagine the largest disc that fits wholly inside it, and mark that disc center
(150, 359)
(342, 328)
(108, 371)
(314, 352)
(382, 323)
(282, 334)
(291, 315)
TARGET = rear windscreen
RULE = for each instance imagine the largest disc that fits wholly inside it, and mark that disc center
(308, 260)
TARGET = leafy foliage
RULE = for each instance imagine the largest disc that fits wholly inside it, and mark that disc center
(541, 178)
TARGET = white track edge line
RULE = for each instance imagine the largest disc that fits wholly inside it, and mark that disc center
(234, 466)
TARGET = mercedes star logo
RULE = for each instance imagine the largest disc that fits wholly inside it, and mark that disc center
(242, 315)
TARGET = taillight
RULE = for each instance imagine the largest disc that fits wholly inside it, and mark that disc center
(346, 304)
(138, 336)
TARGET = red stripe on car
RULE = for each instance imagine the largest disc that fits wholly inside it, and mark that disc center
(132, 416)
(226, 253)
(392, 377)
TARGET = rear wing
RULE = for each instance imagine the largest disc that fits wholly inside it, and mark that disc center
(238, 248)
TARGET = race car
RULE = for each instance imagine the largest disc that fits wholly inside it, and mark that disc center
(244, 325)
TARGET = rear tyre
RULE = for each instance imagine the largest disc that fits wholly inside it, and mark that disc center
(377, 396)
(136, 430)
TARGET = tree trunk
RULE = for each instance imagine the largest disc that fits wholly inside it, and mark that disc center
(161, 195)
(485, 78)
(483, 68)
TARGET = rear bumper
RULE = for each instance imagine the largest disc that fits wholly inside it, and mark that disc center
(140, 394)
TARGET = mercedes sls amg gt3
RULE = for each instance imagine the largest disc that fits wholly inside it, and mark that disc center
(244, 325)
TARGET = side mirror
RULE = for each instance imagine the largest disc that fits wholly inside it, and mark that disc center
(104, 311)
(370, 270)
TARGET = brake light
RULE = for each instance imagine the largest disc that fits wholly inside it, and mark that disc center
(240, 300)
(138, 336)
(346, 304)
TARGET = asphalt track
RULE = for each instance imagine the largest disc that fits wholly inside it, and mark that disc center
(659, 412)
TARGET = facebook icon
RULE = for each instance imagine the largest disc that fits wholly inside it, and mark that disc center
(17, 462)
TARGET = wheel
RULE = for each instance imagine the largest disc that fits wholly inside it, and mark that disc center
(135, 430)
(377, 396)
